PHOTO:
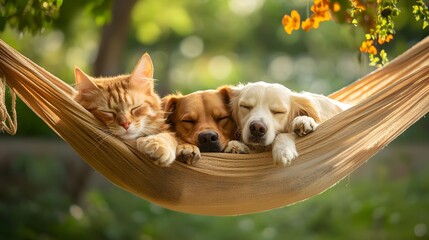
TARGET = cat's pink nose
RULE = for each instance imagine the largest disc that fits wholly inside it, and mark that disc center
(125, 125)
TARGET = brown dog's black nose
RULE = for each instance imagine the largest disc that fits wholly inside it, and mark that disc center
(208, 137)
(258, 129)
(208, 141)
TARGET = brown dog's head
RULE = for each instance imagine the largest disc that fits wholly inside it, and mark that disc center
(202, 118)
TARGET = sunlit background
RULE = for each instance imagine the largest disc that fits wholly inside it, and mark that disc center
(48, 192)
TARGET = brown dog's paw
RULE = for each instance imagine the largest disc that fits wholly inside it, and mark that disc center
(158, 149)
(236, 147)
(188, 153)
(303, 125)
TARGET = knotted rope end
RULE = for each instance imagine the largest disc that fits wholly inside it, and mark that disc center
(8, 121)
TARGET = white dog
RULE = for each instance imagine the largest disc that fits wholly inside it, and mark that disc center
(271, 115)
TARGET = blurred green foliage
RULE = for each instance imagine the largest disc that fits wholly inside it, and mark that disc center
(28, 16)
(195, 45)
(386, 199)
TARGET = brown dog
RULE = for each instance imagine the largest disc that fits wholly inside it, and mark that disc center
(201, 120)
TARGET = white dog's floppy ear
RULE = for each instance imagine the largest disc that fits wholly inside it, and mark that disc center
(303, 105)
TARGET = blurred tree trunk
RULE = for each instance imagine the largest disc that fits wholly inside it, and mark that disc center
(113, 39)
(107, 63)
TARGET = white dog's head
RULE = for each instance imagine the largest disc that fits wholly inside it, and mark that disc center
(262, 110)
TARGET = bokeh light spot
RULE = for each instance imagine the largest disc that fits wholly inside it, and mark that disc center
(220, 67)
(192, 47)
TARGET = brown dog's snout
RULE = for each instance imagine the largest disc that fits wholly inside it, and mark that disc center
(208, 141)
(208, 137)
(258, 129)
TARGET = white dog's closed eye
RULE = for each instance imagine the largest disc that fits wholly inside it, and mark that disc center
(272, 114)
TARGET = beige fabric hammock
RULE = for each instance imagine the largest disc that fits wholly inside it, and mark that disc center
(388, 101)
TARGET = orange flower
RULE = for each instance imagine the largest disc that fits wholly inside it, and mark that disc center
(291, 22)
(322, 16)
(336, 7)
(310, 23)
(320, 10)
(320, 6)
(382, 40)
(372, 50)
(367, 47)
(358, 5)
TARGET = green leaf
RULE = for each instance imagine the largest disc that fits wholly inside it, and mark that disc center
(59, 3)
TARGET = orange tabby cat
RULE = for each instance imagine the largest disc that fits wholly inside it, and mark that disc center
(130, 108)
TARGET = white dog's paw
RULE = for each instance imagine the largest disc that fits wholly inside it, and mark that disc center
(284, 156)
(303, 125)
(158, 149)
(236, 147)
(188, 153)
(284, 149)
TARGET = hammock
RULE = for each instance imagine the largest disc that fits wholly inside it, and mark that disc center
(388, 101)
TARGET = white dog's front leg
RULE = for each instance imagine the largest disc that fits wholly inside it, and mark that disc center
(284, 150)
(303, 125)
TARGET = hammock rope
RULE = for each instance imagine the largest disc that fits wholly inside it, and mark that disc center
(8, 123)
(387, 101)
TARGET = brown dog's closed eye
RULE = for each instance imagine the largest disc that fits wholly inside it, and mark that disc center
(202, 118)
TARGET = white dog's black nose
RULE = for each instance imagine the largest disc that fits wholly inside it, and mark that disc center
(258, 129)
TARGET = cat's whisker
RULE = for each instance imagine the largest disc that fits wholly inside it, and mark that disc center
(100, 138)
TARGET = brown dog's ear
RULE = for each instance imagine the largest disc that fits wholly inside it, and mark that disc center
(226, 92)
(169, 104)
(231, 96)
(303, 106)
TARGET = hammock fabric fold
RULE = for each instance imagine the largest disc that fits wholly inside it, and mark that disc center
(387, 102)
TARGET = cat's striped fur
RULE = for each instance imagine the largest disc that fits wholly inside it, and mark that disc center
(126, 104)
(130, 108)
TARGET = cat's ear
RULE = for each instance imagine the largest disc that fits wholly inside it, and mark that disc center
(83, 82)
(143, 71)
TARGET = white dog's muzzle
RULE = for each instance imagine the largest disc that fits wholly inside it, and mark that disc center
(258, 131)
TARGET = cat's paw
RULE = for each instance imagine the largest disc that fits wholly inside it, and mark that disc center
(158, 149)
(303, 125)
(188, 153)
(236, 147)
(284, 149)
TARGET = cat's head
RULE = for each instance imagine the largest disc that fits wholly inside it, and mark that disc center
(126, 104)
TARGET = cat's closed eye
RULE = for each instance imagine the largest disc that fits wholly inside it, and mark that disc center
(105, 116)
(139, 110)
